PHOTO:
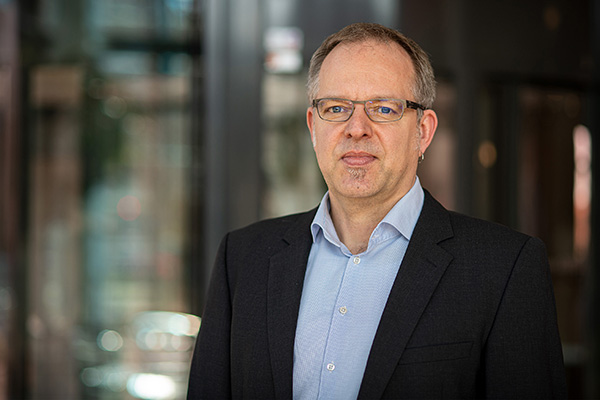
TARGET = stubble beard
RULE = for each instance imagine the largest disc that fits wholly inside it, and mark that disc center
(357, 173)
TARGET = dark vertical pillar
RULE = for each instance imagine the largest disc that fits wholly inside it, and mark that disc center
(195, 252)
(233, 43)
(507, 140)
(466, 110)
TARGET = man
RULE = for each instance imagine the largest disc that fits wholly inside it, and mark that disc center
(380, 292)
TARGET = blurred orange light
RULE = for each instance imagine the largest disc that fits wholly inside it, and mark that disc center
(487, 154)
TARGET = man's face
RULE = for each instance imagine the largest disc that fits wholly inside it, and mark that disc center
(360, 158)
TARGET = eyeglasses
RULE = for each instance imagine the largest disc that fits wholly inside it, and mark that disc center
(378, 110)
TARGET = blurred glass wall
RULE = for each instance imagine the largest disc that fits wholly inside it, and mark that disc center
(99, 300)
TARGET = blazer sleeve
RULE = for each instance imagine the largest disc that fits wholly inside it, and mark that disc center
(210, 370)
(523, 355)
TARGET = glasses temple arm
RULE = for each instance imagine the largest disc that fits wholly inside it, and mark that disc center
(416, 106)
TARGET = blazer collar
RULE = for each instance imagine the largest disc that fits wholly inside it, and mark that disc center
(286, 279)
(420, 272)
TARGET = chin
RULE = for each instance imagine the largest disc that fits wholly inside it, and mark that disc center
(356, 191)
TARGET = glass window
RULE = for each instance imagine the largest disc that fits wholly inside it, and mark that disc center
(108, 158)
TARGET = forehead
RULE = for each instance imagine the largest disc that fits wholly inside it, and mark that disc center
(368, 68)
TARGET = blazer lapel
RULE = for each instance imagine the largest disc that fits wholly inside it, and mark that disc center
(286, 278)
(422, 267)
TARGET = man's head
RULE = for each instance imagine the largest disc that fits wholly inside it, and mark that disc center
(368, 144)
(424, 79)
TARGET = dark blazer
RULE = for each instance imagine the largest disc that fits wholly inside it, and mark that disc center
(471, 314)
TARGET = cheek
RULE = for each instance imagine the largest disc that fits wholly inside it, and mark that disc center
(412, 140)
(403, 150)
(323, 142)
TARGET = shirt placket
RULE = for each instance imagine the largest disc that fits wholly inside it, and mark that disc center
(337, 355)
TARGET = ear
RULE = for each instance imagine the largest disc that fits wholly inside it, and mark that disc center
(427, 128)
(310, 122)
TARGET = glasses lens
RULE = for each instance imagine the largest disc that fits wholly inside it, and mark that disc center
(335, 109)
(385, 110)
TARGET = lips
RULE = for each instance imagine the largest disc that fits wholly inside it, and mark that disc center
(357, 158)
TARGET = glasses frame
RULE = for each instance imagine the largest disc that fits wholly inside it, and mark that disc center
(406, 103)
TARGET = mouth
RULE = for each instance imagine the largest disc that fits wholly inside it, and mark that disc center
(357, 158)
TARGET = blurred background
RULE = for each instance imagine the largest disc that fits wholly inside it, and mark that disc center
(135, 133)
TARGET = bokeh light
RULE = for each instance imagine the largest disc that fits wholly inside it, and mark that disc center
(487, 154)
(109, 340)
(151, 386)
(129, 208)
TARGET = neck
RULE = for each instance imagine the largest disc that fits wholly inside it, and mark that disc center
(355, 220)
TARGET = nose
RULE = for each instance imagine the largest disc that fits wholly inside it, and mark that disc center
(359, 125)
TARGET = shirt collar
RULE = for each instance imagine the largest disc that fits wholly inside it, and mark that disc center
(402, 217)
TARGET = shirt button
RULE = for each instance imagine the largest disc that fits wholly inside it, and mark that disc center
(343, 310)
(356, 260)
(330, 367)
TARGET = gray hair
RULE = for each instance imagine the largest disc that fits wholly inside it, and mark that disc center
(424, 85)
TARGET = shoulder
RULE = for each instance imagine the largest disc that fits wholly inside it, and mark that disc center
(246, 253)
(475, 235)
(271, 234)
(479, 237)
(485, 254)
(476, 229)
(274, 226)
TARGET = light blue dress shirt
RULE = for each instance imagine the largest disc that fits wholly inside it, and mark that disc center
(343, 298)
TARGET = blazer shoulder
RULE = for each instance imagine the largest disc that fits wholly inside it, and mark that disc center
(481, 230)
(478, 239)
(474, 234)
(274, 230)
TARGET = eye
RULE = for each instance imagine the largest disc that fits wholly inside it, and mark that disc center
(385, 110)
(336, 108)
